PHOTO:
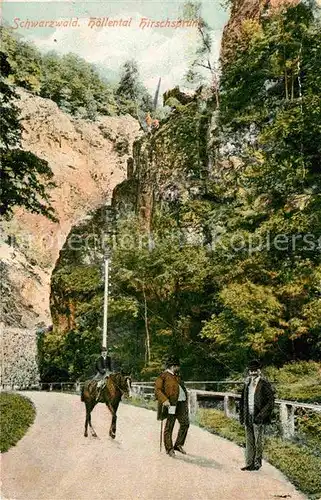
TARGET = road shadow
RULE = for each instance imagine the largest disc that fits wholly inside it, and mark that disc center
(115, 442)
(200, 461)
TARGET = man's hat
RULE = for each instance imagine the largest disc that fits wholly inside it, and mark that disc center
(255, 364)
(172, 361)
(103, 348)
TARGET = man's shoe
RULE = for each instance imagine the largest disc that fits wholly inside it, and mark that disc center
(248, 467)
(171, 453)
(180, 449)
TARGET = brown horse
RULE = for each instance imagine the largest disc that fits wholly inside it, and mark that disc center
(116, 385)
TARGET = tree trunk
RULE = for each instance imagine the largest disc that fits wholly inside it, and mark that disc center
(286, 84)
(147, 341)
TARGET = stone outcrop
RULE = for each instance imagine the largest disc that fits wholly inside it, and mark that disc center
(19, 358)
(164, 170)
(88, 160)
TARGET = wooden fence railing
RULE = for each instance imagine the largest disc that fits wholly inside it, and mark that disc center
(287, 409)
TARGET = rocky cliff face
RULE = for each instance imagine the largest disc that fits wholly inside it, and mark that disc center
(242, 10)
(88, 160)
(170, 164)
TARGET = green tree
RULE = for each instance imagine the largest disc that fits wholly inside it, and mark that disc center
(269, 95)
(203, 57)
(129, 83)
(25, 178)
(76, 86)
(24, 59)
(131, 95)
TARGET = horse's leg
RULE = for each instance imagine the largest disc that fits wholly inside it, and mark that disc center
(93, 432)
(113, 409)
(112, 429)
(87, 419)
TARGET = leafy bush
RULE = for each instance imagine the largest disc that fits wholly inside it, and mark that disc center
(25, 178)
(293, 372)
(300, 381)
(17, 414)
(151, 371)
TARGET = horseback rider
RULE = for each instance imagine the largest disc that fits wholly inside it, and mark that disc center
(103, 368)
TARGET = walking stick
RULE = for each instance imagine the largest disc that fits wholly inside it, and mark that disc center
(161, 431)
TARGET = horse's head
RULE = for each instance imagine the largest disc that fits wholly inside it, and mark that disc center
(124, 383)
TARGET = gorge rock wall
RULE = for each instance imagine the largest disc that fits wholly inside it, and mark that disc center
(169, 164)
(88, 160)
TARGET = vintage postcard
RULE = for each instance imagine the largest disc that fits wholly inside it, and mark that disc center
(160, 250)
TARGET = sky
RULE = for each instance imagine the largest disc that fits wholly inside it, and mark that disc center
(159, 51)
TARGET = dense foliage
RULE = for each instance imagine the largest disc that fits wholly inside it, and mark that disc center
(269, 299)
(17, 414)
(300, 381)
(227, 265)
(75, 86)
(25, 178)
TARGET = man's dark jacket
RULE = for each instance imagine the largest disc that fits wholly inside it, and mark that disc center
(103, 364)
(263, 403)
(167, 388)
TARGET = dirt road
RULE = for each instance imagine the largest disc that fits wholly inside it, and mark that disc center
(55, 462)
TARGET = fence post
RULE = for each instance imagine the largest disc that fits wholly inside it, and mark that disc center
(135, 390)
(287, 420)
(193, 403)
(229, 406)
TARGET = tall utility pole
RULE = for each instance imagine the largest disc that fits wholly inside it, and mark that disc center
(110, 231)
(106, 268)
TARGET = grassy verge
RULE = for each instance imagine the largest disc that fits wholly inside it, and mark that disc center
(17, 414)
(216, 422)
(297, 462)
(299, 381)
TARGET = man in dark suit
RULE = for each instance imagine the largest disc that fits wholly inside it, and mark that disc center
(172, 397)
(256, 406)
